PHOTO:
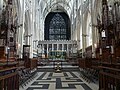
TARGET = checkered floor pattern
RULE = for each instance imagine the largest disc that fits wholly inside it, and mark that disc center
(58, 81)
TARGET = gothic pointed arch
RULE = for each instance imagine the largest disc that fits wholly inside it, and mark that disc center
(57, 26)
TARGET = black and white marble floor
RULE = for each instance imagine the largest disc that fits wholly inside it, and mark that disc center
(59, 81)
(68, 79)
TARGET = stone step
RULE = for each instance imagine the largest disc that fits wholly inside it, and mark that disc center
(53, 69)
(65, 67)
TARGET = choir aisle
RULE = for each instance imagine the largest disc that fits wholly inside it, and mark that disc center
(68, 79)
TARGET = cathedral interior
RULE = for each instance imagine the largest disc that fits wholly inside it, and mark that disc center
(59, 44)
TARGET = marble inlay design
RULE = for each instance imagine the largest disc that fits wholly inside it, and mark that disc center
(58, 81)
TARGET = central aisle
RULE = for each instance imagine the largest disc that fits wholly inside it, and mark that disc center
(68, 79)
(58, 81)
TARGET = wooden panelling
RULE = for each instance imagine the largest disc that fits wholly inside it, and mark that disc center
(9, 79)
(117, 52)
(106, 55)
(88, 52)
(85, 62)
(33, 63)
(109, 77)
(2, 53)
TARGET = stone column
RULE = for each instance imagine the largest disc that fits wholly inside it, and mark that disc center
(52, 47)
(62, 47)
(42, 48)
(83, 17)
(67, 47)
(21, 19)
(93, 31)
(57, 47)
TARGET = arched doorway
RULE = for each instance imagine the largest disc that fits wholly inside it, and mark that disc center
(57, 26)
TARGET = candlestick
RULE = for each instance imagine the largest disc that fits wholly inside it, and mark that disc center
(112, 50)
(100, 51)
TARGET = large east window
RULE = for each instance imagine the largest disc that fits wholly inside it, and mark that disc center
(57, 29)
(57, 26)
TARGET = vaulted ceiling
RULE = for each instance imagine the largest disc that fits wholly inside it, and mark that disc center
(56, 6)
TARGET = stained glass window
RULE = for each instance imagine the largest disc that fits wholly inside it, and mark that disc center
(57, 28)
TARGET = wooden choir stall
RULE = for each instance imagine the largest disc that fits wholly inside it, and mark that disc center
(106, 65)
(14, 71)
(9, 79)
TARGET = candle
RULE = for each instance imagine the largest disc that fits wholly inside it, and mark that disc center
(6, 49)
(112, 50)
